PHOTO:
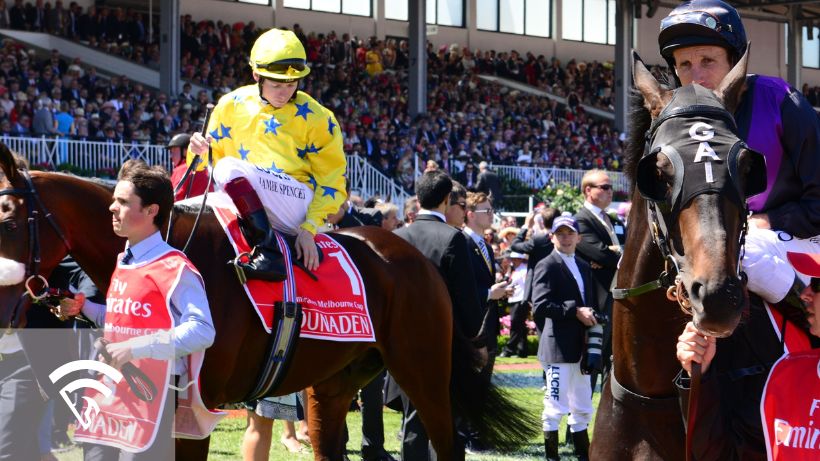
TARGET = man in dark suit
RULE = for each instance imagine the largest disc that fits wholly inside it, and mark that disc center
(565, 300)
(490, 184)
(446, 248)
(480, 218)
(602, 237)
(538, 246)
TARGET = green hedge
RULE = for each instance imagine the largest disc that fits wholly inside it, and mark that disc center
(532, 344)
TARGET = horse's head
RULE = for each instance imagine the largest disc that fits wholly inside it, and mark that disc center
(24, 254)
(695, 174)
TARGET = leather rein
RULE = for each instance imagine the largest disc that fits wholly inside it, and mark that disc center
(34, 208)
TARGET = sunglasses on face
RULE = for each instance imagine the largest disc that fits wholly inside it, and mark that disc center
(602, 186)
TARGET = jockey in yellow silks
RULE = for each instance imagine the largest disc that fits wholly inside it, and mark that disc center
(277, 154)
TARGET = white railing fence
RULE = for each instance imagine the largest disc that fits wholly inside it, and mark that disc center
(97, 158)
(365, 179)
(537, 178)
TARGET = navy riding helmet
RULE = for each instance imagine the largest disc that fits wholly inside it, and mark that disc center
(702, 22)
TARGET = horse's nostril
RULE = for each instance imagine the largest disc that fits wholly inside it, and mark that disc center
(697, 290)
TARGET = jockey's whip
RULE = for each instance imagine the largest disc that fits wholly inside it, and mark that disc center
(208, 110)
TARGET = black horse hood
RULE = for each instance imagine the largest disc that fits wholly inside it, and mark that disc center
(699, 137)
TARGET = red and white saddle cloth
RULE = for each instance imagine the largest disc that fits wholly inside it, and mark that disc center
(334, 308)
(791, 398)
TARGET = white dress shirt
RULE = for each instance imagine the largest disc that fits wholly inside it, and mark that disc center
(569, 260)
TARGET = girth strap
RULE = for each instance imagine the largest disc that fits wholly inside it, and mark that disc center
(624, 395)
(282, 343)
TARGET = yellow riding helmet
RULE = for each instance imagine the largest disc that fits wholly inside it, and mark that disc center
(278, 54)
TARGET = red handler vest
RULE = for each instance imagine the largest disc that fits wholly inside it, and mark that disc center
(137, 304)
(791, 397)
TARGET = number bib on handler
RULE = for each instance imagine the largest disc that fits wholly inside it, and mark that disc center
(136, 305)
(790, 408)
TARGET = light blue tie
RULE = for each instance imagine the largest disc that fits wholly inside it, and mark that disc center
(486, 254)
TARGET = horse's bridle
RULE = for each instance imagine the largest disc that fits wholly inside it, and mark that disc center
(34, 206)
(670, 203)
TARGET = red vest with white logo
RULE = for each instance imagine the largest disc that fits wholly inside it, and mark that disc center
(792, 385)
(137, 304)
(791, 407)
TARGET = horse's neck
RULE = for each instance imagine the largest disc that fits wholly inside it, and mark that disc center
(645, 327)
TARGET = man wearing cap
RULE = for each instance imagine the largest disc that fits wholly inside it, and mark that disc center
(564, 305)
(278, 155)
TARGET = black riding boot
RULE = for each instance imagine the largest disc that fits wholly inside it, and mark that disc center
(551, 446)
(266, 261)
(581, 441)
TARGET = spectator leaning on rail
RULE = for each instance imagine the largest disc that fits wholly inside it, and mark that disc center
(278, 155)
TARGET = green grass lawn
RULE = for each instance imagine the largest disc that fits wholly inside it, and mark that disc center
(227, 438)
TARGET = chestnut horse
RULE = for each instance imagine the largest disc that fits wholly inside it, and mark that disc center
(408, 300)
(687, 227)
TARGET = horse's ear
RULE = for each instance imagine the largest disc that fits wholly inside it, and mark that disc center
(7, 162)
(731, 87)
(648, 85)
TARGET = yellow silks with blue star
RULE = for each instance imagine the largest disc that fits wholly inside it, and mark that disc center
(301, 139)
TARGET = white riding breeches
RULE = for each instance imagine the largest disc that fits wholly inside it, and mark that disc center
(285, 199)
(765, 262)
(568, 392)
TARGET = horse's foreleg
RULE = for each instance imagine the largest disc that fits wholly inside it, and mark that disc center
(193, 450)
(328, 403)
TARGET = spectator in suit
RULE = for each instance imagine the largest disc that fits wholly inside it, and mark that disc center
(565, 301)
(480, 218)
(390, 215)
(411, 210)
(446, 248)
(359, 216)
(537, 245)
(490, 184)
(456, 214)
(602, 238)
(468, 177)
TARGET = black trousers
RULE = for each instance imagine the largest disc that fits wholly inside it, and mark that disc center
(518, 329)
(372, 417)
(21, 408)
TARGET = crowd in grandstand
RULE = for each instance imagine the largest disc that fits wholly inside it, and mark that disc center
(469, 119)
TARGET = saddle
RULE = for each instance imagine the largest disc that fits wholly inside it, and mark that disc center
(290, 240)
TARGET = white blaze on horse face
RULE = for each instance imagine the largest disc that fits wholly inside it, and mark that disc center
(11, 272)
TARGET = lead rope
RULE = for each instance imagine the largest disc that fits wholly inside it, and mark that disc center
(692, 411)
